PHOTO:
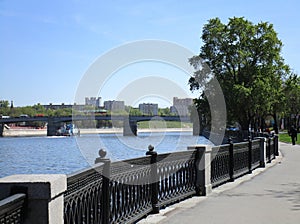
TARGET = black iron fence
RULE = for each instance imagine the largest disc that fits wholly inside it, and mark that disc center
(126, 191)
(234, 160)
(129, 193)
(272, 148)
(176, 177)
(12, 209)
(83, 198)
(220, 169)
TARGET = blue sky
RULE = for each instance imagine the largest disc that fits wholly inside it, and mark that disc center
(47, 46)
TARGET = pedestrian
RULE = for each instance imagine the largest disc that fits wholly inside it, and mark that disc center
(293, 134)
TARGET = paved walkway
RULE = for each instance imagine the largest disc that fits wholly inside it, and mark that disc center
(271, 197)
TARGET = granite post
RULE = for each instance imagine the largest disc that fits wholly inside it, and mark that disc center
(203, 169)
(44, 202)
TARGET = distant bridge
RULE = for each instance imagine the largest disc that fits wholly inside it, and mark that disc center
(130, 122)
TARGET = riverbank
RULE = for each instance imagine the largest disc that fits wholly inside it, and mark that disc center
(24, 132)
(43, 132)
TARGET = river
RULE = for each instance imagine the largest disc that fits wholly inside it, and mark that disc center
(65, 155)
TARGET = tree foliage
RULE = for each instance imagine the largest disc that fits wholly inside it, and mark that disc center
(291, 91)
(4, 104)
(246, 59)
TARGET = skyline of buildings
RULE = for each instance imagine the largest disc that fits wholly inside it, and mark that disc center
(180, 106)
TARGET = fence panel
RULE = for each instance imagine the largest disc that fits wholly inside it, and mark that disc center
(176, 174)
(11, 209)
(220, 165)
(130, 190)
(256, 150)
(272, 148)
(82, 200)
(240, 159)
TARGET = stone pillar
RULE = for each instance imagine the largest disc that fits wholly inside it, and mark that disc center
(196, 129)
(129, 128)
(203, 169)
(51, 128)
(197, 120)
(44, 196)
(1, 129)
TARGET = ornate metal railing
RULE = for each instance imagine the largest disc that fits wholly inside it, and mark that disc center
(233, 160)
(241, 158)
(256, 151)
(130, 193)
(126, 191)
(176, 174)
(220, 165)
(83, 198)
(11, 209)
(271, 149)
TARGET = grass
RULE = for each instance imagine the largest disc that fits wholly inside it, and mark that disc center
(163, 124)
(284, 137)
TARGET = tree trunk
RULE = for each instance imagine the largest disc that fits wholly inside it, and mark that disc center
(244, 124)
(275, 123)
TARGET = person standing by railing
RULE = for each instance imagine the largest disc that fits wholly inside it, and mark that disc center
(293, 134)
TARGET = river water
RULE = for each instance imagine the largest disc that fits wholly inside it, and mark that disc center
(65, 155)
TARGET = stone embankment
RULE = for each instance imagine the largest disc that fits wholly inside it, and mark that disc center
(12, 132)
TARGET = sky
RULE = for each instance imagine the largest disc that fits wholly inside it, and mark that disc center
(47, 47)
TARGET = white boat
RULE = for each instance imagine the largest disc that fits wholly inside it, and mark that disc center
(68, 130)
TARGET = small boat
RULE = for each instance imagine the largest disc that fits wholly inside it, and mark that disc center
(68, 130)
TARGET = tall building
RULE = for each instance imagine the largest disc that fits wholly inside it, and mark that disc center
(149, 108)
(181, 106)
(93, 101)
(114, 105)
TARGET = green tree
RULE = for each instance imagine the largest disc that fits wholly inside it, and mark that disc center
(164, 111)
(4, 104)
(63, 112)
(39, 109)
(134, 111)
(292, 98)
(4, 109)
(246, 60)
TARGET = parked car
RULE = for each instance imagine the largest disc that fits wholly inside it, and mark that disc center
(4, 116)
(232, 128)
(23, 116)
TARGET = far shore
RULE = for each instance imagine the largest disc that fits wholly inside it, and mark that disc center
(43, 132)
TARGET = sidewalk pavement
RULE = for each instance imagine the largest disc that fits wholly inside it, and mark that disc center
(271, 197)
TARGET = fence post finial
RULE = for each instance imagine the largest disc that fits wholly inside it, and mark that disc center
(102, 153)
(151, 148)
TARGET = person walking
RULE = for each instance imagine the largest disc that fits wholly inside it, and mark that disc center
(293, 134)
